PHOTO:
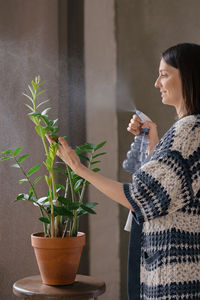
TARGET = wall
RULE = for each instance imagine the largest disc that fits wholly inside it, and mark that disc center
(144, 29)
(28, 47)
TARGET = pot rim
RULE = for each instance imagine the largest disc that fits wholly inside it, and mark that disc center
(40, 235)
(39, 241)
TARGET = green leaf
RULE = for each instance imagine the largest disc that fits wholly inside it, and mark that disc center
(84, 157)
(30, 194)
(88, 209)
(62, 211)
(84, 148)
(54, 122)
(17, 151)
(44, 220)
(15, 166)
(23, 157)
(77, 184)
(100, 145)
(81, 213)
(23, 180)
(19, 197)
(5, 158)
(60, 186)
(89, 145)
(27, 96)
(37, 79)
(99, 154)
(40, 93)
(46, 120)
(9, 151)
(33, 170)
(48, 180)
(42, 103)
(34, 85)
(91, 204)
(40, 130)
(48, 163)
(95, 162)
(40, 83)
(32, 92)
(59, 170)
(34, 114)
(26, 197)
(74, 205)
(74, 176)
(87, 182)
(55, 130)
(44, 113)
(36, 180)
(63, 200)
(32, 109)
(79, 151)
(34, 120)
(96, 170)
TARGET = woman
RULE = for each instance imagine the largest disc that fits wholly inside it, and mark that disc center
(164, 195)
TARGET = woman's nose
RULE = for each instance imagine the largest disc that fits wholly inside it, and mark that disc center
(157, 83)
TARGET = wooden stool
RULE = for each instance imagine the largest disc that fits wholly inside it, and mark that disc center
(84, 287)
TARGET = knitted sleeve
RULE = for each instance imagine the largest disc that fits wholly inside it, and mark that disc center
(160, 187)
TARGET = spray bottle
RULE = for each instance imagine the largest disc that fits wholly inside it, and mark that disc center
(136, 156)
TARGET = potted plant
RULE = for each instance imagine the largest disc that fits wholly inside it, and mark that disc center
(60, 244)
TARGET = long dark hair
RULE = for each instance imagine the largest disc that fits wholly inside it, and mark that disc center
(186, 58)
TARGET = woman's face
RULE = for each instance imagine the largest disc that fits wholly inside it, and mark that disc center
(169, 83)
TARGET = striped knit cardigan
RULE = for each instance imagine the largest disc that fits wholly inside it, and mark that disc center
(165, 196)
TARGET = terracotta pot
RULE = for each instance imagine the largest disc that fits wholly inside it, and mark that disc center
(58, 258)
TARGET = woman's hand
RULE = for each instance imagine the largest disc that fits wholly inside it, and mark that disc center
(135, 127)
(67, 154)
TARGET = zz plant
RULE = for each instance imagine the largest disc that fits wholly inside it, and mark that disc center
(63, 205)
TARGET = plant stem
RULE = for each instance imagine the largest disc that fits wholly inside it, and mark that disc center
(66, 188)
(53, 184)
(82, 191)
(84, 183)
(52, 212)
(73, 231)
(44, 224)
(45, 146)
(71, 184)
(57, 218)
(65, 229)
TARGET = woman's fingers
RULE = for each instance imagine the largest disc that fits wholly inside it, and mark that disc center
(64, 143)
(136, 118)
(66, 153)
(50, 140)
(135, 125)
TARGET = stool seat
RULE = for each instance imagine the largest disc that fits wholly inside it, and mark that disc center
(84, 287)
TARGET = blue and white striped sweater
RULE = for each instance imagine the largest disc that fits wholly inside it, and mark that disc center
(165, 195)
